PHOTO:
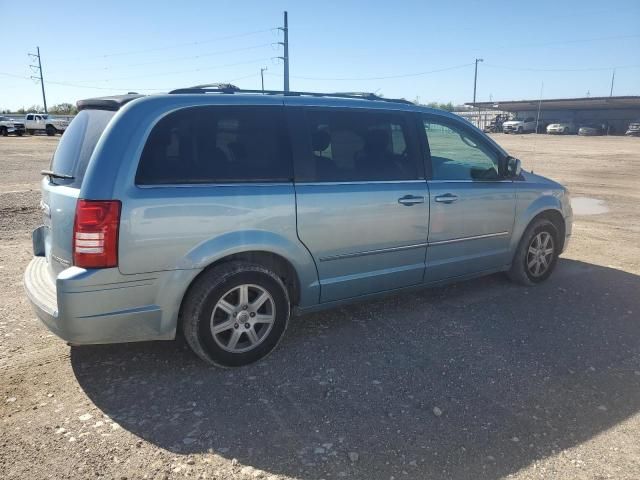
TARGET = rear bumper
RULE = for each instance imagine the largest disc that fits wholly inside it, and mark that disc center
(100, 306)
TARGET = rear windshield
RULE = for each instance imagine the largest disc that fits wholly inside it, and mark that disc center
(77, 144)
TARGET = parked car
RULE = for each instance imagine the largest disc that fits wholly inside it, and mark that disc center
(42, 122)
(592, 129)
(8, 126)
(526, 125)
(222, 212)
(634, 128)
(563, 128)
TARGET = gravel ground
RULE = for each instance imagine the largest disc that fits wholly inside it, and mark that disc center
(481, 379)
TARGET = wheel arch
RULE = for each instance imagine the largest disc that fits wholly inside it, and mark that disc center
(275, 262)
(554, 216)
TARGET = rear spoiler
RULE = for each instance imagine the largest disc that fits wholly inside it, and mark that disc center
(112, 103)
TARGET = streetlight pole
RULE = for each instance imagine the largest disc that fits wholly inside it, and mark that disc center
(475, 83)
(262, 77)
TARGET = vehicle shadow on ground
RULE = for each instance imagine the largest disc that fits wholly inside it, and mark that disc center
(474, 380)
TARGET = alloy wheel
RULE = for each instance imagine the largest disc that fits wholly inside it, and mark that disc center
(242, 318)
(540, 254)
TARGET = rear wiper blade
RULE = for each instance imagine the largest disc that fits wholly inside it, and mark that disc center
(56, 175)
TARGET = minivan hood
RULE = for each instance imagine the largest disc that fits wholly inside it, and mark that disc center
(535, 178)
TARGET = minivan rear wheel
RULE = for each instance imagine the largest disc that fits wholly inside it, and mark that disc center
(235, 314)
(537, 253)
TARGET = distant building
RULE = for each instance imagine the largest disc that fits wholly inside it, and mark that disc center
(615, 112)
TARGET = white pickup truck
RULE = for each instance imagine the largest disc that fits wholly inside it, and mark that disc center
(8, 125)
(518, 125)
(42, 122)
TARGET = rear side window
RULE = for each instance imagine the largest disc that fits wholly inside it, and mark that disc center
(216, 145)
(77, 144)
(357, 145)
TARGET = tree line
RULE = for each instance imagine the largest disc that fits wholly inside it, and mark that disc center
(59, 109)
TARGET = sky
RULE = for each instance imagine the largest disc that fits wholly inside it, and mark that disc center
(422, 50)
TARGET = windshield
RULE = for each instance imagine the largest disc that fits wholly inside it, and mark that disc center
(77, 144)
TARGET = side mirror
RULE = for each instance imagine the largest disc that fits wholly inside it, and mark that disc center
(514, 167)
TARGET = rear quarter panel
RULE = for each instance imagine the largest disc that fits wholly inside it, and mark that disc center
(190, 227)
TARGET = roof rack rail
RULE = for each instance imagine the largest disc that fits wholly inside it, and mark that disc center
(217, 87)
(231, 89)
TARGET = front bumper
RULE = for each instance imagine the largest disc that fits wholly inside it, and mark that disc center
(89, 307)
(511, 128)
(568, 229)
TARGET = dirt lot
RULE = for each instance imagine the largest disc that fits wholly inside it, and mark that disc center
(481, 379)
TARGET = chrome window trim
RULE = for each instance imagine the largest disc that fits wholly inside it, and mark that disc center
(474, 237)
(209, 185)
(363, 182)
(471, 181)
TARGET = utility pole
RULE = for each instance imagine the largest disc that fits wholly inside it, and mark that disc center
(475, 82)
(262, 77)
(475, 79)
(613, 77)
(285, 56)
(40, 76)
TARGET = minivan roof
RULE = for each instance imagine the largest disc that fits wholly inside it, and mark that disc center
(115, 102)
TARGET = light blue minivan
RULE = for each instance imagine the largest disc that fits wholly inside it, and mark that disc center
(222, 212)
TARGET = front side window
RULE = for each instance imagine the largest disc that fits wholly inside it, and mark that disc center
(29, 117)
(455, 155)
(351, 145)
(216, 144)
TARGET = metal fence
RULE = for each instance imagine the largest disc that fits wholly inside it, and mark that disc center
(480, 118)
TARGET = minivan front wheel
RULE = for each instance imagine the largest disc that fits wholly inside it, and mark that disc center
(537, 253)
(235, 314)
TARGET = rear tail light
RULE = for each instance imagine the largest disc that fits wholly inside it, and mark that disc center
(95, 233)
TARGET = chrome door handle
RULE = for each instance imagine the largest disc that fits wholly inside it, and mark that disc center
(409, 200)
(446, 198)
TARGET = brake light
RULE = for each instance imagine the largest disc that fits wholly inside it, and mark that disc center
(95, 233)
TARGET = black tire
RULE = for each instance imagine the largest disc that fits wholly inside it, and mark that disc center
(20, 133)
(521, 272)
(200, 306)
(520, 130)
(4, 132)
(51, 130)
(31, 132)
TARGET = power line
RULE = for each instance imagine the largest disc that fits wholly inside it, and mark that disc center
(257, 60)
(169, 47)
(386, 77)
(587, 69)
(577, 40)
(175, 59)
